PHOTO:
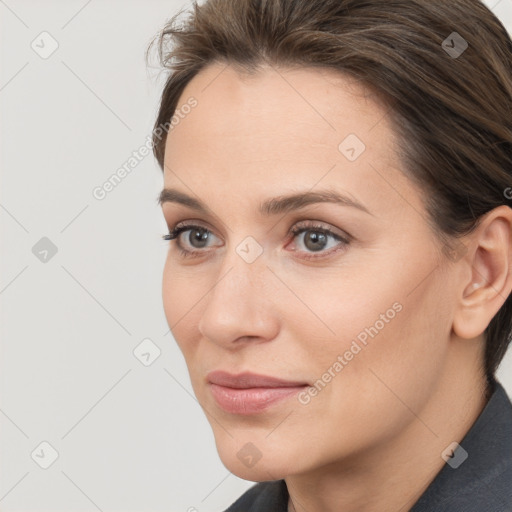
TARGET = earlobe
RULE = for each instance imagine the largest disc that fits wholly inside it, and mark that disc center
(490, 274)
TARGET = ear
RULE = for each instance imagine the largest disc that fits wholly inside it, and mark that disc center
(489, 261)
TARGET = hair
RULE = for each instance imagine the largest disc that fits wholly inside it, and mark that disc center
(451, 113)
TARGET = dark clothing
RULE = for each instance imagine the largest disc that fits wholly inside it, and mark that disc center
(481, 483)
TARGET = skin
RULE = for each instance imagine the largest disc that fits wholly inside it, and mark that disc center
(418, 385)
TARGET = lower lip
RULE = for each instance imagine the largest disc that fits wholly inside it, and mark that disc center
(251, 400)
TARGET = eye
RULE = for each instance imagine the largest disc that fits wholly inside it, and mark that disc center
(197, 238)
(318, 239)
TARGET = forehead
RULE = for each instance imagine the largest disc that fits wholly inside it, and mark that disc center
(319, 105)
(286, 126)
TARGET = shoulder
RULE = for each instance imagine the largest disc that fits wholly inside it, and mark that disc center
(263, 497)
(483, 480)
(490, 491)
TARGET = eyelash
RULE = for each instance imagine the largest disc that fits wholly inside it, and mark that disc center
(178, 229)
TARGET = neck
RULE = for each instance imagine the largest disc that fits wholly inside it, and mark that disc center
(394, 475)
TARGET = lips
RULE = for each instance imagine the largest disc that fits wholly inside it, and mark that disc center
(249, 393)
(250, 380)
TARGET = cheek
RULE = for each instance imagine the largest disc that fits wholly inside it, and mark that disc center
(391, 326)
(342, 313)
(401, 359)
(181, 290)
(170, 293)
(179, 300)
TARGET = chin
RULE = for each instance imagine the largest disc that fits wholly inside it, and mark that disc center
(261, 471)
(257, 462)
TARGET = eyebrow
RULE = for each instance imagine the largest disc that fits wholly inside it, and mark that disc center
(275, 206)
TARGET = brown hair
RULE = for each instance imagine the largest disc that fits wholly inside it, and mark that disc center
(450, 106)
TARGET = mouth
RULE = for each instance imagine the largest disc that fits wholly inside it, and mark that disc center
(248, 393)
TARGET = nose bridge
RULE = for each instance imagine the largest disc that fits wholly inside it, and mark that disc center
(243, 269)
(237, 304)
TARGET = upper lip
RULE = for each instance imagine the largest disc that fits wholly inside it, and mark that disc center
(249, 380)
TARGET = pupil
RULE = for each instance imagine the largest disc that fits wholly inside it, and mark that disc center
(315, 237)
(198, 236)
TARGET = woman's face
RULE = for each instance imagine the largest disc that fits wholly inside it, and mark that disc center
(363, 311)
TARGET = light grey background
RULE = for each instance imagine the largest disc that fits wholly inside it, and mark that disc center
(129, 437)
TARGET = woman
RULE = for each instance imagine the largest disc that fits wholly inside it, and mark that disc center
(337, 179)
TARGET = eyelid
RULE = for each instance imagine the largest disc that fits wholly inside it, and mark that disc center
(190, 224)
(307, 223)
(184, 226)
(312, 224)
(343, 238)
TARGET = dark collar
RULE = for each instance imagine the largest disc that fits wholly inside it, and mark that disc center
(483, 482)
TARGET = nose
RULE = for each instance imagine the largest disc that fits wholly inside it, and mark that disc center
(241, 306)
